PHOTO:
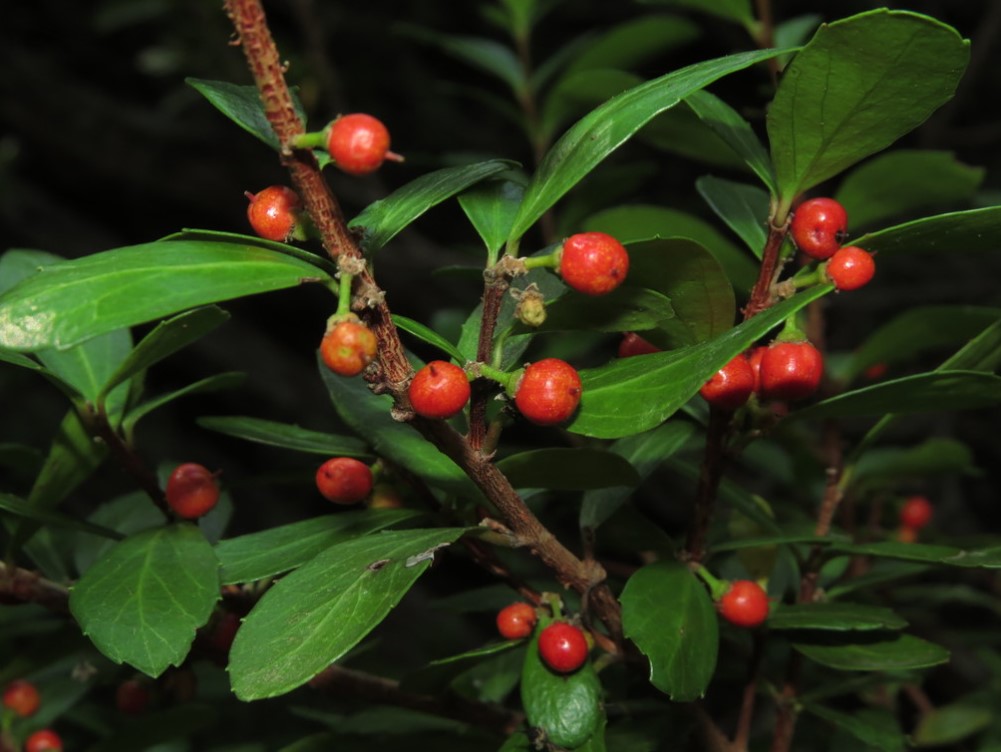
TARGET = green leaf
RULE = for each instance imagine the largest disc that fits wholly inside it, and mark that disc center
(167, 338)
(242, 105)
(950, 724)
(70, 302)
(635, 394)
(626, 308)
(859, 85)
(211, 384)
(294, 251)
(567, 707)
(21, 508)
(904, 181)
(743, 207)
(436, 675)
(834, 616)
(312, 617)
(923, 552)
(633, 42)
(973, 230)
(287, 436)
(126, 515)
(667, 612)
(428, 335)
(486, 54)
(899, 653)
(606, 128)
(781, 539)
(491, 206)
(157, 728)
(894, 464)
(727, 123)
(646, 221)
(382, 220)
(256, 556)
(875, 735)
(923, 392)
(737, 11)
(88, 365)
(73, 456)
(568, 469)
(143, 601)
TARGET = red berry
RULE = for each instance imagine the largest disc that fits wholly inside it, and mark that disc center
(348, 347)
(633, 344)
(850, 268)
(791, 371)
(344, 480)
(516, 621)
(45, 740)
(549, 392)
(358, 143)
(22, 697)
(916, 513)
(875, 371)
(439, 390)
(744, 604)
(593, 263)
(731, 386)
(818, 227)
(754, 359)
(562, 647)
(274, 212)
(132, 697)
(192, 490)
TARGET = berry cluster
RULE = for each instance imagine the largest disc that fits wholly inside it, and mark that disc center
(819, 227)
(21, 698)
(781, 371)
(562, 646)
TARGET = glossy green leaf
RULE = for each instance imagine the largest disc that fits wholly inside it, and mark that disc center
(242, 105)
(256, 556)
(70, 302)
(210, 384)
(973, 230)
(126, 515)
(567, 707)
(636, 394)
(859, 85)
(646, 221)
(491, 206)
(923, 392)
(316, 259)
(936, 456)
(737, 11)
(143, 601)
(436, 675)
(634, 42)
(428, 335)
(606, 128)
(382, 220)
(626, 308)
(644, 451)
(568, 469)
(72, 457)
(900, 653)
(273, 433)
(668, 613)
(950, 724)
(738, 134)
(743, 207)
(903, 181)
(875, 735)
(312, 617)
(834, 616)
(922, 552)
(680, 131)
(21, 508)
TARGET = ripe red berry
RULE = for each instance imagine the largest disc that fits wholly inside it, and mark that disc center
(344, 480)
(516, 621)
(274, 212)
(22, 697)
(192, 490)
(754, 359)
(593, 263)
(790, 371)
(744, 604)
(348, 347)
(916, 512)
(633, 344)
(731, 386)
(562, 647)
(549, 392)
(45, 740)
(818, 227)
(358, 143)
(439, 390)
(850, 268)
(132, 697)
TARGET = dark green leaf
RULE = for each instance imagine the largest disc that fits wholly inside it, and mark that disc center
(279, 549)
(312, 617)
(922, 552)
(126, 515)
(782, 539)
(486, 54)
(737, 11)
(900, 653)
(894, 464)
(437, 674)
(294, 251)
(491, 206)
(568, 469)
(633, 42)
(834, 616)
(211, 384)
(635, 394)
(143, 601)
(428, 335)
(286, 436)
(382, 220)
(952, 723)
(901, 182)
(21, 508)
(743, 207)
(883, 737)
(667, 612)
(859, 85)
(73, 301)
(156, 728)
(973, 230)
(242, 105)
(606, 128)
(72, 457)
(627, 308)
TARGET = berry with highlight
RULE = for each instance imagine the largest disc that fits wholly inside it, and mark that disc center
(548, 392)
(192, 490)
(745, 604)
(563, 647)
(593, 263)
(819, 227)
(439, 390)
(344, 480)
(790, 371)
(850, 268)
(731, 386)
(348, 346)
(358, 143)
(274, 212)
(516, 621)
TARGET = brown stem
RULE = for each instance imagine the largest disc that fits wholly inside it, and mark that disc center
(761, 295)
(765, 35)
(22, 585)
(493, 297)
(709, 479)
(743, 733)
(785, 713)
(713, 739)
